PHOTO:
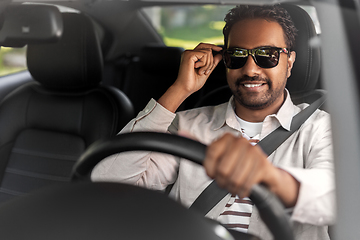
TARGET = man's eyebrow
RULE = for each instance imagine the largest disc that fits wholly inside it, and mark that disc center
(267, 46)
(261, 46)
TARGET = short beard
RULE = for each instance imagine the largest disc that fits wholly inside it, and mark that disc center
(266, 100)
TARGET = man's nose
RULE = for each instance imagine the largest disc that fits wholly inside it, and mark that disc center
(251, 68)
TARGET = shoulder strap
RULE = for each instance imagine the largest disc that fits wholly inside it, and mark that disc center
(213, 193)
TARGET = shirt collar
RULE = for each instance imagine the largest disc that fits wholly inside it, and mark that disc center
(285, 113)
(284, 116)
(227, 116)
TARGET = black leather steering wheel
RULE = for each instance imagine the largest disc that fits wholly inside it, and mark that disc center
(270, 208)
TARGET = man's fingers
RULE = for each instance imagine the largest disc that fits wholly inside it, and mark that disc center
(241, 174)
(217, 58)
(208, 45)
(204, 62)
(246, 177)
(214, 153)
(226, 165)
(231, 159)
(207, 62)
(215, 61)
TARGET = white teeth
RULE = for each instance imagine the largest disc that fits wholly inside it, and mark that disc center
(252, 85)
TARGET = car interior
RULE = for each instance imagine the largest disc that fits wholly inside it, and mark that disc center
(88, 76)
(55, 98)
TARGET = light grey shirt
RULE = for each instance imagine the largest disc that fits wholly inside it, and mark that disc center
(307, 155)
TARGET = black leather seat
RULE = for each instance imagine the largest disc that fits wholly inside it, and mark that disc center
(304, 77)
(46, 125)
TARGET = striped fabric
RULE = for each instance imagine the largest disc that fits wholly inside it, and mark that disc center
(237, 214)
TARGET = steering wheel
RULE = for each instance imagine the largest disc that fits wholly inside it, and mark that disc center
(270, 208)
(86, 210)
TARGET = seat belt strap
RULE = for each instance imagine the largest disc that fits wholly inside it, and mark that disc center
(213, 194)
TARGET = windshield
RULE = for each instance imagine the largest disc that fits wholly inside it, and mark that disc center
(186, 26)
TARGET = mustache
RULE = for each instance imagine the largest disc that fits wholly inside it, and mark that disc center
(247, 78)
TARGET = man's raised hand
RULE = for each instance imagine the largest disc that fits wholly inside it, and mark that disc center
(195, 68)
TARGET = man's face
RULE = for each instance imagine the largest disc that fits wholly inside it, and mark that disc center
(255, 87)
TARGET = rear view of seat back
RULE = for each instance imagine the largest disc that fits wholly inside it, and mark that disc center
(46, 125)
(153, 74)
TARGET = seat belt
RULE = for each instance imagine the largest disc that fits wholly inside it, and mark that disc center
(213, 194)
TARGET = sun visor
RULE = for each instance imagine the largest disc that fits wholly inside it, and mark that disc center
(30, 24)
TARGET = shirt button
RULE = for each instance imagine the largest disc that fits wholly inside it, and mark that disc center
(321, 220)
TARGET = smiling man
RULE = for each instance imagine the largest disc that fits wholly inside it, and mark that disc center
(259, 59)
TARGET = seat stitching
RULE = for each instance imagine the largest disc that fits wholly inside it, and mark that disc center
(11, 192)
(37, 175)
(47, 155)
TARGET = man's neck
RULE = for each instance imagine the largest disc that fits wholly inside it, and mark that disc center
(258, 115)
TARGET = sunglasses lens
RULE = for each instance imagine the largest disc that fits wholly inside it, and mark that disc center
(267, 57)
(235, 59)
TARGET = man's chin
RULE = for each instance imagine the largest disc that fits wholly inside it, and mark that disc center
(255, 106)
(252, 101)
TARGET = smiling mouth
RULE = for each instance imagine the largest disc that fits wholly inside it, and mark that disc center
(253, 85)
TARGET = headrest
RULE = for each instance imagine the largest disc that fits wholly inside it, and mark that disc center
(24, 24)
(306, 69)
(74, 62)
(160, 60)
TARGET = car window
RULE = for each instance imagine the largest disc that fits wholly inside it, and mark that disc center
(186, 26)
(12, 60)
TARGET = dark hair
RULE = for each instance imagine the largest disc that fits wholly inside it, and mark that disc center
(270, 12)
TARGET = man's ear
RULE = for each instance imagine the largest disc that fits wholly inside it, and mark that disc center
(291, 60)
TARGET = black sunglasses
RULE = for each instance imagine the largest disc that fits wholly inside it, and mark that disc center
(264, 57)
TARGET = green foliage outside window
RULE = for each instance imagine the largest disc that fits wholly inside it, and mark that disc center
(12, 60)
(186, 26)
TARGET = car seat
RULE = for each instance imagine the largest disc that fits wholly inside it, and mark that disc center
(154, 72)
(47, 124)
(304, 77)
